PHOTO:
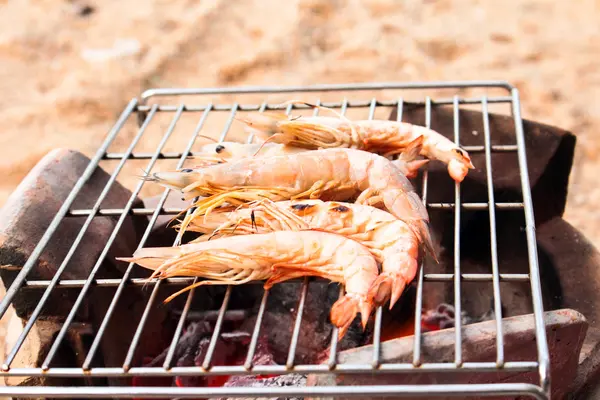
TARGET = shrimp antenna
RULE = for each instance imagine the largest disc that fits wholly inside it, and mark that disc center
(235, 227)
(146, 176)
(175, 218)
(209, 138)
(338, 114)
(213, 234)
(265, 142)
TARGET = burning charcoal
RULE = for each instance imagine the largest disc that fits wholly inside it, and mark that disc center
(442, 317)
(315, 329)
(227, 351)
(262, 354)
(230, 349)
(189, 339)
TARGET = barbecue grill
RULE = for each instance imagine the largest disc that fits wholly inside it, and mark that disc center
(201, 104)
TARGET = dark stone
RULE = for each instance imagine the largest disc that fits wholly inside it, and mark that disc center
(122, 325)
(577, 263)
(163, 233)
(29, 211)
(565, 330)
(36, 347)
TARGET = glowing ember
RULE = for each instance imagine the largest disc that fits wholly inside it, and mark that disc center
(230, 349)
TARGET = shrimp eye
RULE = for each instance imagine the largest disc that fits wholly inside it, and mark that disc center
(187, 170)
(302, 207)
(219, 148)
(340, 208)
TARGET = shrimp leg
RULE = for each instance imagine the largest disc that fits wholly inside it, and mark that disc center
(368, 197)
(317, 189)
(282, 275)
(242, 277)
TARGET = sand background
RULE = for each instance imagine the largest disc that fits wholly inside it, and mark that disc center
(68, 68)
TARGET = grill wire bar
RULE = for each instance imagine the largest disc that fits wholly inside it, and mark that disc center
(419, 300)
(379, 310)
(334, 332)
(84, 290)
(37, 252)
(289, 364)
(457, 277)
(38, 309)
(74, 283)
(146, 114)
(493, 239)
(509, 148)
(138, 332)
(535, 281)
(81, 212)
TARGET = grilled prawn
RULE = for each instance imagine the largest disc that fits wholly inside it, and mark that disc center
(329, 174)
(218, 153)
(277, 257)
(378, 136)
(390, 240)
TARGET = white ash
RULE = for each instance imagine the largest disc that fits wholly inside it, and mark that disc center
(277, 381)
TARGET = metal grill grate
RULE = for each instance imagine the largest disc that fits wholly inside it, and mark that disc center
(145, 114)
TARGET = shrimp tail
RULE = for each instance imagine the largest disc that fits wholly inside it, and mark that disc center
(412, 167)
(387, 286)
(344, 311)
(381, 289)
(421, 229)
(407, 160)
(398, 286)
(410, 155)
(412, 150)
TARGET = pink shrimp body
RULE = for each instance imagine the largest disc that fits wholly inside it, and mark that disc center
(329, 174)
(218, 153)
(389, 239)
(277, 257)
(379, 136)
